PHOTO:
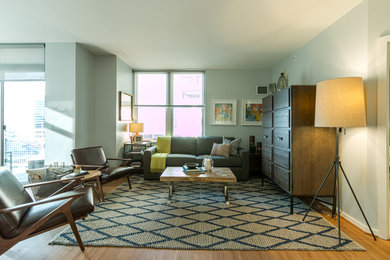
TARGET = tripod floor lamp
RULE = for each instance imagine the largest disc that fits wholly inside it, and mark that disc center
(339, 103)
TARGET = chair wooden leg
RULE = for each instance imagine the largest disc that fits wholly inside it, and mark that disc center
(72, 224)
(128, 181)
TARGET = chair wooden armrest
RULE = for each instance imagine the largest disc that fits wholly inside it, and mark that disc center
(51, 182)
(48, 200)
(120, 159)
(98, 167)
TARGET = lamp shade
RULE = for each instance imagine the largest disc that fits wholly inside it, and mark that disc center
(340, 103)
(136, 127)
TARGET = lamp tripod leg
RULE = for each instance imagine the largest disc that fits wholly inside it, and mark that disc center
(338, 198)
(361, 210)
(318, 192)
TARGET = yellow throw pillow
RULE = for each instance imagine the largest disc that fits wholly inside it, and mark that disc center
(164, 144)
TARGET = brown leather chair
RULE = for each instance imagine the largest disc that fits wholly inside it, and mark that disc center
(93, 158)
(22, 218)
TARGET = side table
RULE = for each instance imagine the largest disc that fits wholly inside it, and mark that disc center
(94, 175)
(135, 151)
(255, 164)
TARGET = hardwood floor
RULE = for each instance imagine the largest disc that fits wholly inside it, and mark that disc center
(38, 248)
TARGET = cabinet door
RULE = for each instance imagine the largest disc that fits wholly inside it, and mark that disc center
(282, 177)
(267, 103)
(282, 138)
(282, 118)
(267, 135)
(267, 119)
(267, 152)
(266, 168)
(282, 158)
(282, 99)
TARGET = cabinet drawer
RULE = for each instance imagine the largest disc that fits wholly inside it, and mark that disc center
(282, 118)
(267, 135)
(282, 99)
(267, 119)
(267, 152)
(282, 138)
(282, 177)
(266, 168)
(282, 158)
(267, 103)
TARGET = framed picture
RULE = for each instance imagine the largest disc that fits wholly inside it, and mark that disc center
(252, 112)
(138, 139)
(125, 107)
(223, 111)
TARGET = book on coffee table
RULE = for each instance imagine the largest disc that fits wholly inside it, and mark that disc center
(192, 170)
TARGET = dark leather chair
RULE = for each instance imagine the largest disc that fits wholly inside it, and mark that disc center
(22, 218)
(93, 158)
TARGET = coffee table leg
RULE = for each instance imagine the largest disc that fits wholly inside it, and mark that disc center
(100, 187)
(170, 191)
(226, 193)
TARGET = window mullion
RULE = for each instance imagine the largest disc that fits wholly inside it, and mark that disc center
(169, 110)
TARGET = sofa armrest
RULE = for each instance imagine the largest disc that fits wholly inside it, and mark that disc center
(146, 159)
(245, 163)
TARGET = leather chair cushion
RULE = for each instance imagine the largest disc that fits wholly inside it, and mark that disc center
(116, 172)
(12, 193)
(89, 156)
(80, 207)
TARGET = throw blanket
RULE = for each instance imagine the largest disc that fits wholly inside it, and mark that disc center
(158, 160)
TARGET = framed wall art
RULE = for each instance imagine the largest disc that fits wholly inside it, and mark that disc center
(125, 106)
(252, 112)
(223, 111)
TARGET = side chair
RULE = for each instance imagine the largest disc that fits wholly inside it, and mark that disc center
(21, 217)
(94, 158)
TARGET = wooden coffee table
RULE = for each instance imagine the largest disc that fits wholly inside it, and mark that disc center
(220, 175)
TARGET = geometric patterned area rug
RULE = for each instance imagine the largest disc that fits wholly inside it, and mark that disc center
(258, 218)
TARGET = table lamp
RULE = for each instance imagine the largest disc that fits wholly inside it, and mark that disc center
(339, 104)
(136, 128)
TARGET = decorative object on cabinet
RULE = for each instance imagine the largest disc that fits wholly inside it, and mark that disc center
(340, 104)
(136, 128)
(297, 167)
(283, 81)
(261, 90)
(223, 111)
(271, 88)
(125, 106)
(251, 112)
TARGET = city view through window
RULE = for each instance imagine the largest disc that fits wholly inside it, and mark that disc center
(24, 123)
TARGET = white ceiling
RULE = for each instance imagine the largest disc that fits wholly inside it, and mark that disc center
(175, 34)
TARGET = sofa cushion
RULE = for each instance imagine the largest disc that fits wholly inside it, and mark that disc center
(179, 159)
(221, 149)
(183, 145)
(221, 161)
(235, 145)
(205, 144)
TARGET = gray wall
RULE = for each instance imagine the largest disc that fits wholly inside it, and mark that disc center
(234, 84)
(82, 101)
(124, 82)
(60, 101)
(348, 48)
(85, 97)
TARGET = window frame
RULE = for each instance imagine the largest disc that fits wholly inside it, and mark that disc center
(169, 120)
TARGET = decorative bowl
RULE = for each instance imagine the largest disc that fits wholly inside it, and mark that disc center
(191, 165)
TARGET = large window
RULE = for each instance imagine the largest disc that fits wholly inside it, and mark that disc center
(170, 103)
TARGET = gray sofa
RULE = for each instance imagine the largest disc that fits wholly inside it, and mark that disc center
(193, 149)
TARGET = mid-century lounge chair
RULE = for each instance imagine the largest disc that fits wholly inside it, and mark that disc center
(93, 158)
(21, 217)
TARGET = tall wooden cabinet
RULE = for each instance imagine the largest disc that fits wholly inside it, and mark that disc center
(296, 155)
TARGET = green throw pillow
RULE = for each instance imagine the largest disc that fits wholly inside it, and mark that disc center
(234, 145)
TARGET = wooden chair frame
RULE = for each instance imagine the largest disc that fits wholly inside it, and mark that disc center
(63, 208)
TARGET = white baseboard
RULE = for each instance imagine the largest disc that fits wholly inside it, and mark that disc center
(358, 224)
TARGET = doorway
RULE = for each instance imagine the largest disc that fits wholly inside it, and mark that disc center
(23, 125)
